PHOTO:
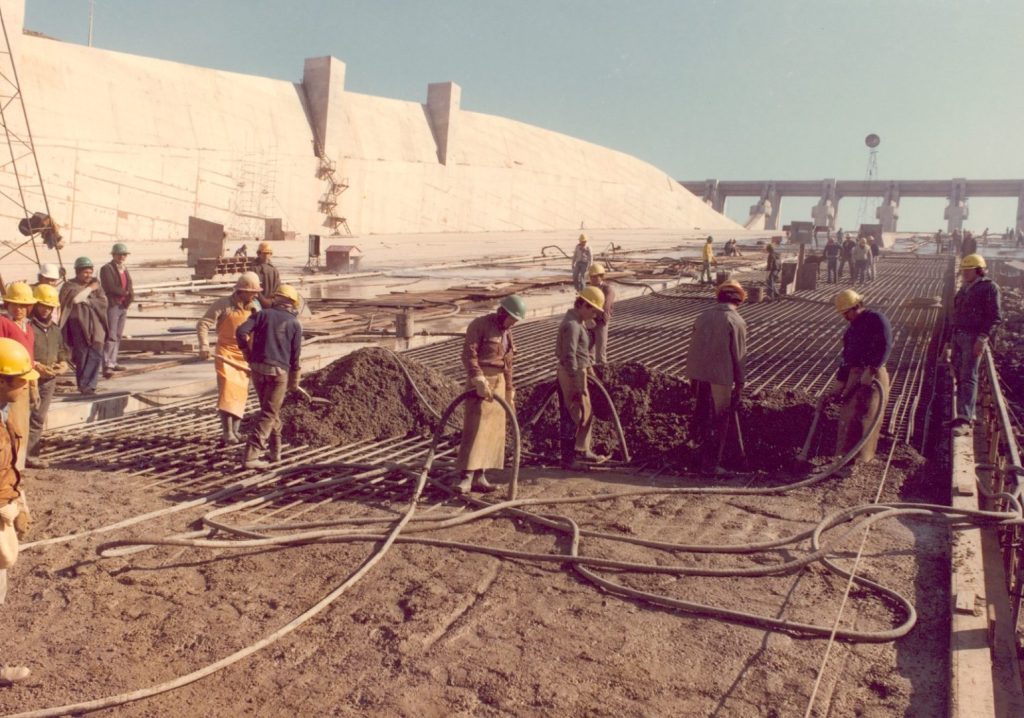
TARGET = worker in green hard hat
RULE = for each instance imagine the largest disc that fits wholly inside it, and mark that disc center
(117, 285)
(83, 318)
(487, 355)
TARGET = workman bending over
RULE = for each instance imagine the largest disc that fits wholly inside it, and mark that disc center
(271, 342)
(866, 346)
(582, 258)
(600, 334)
(270, 280)
(487, 355)
(976, 313)
(573, 352)
(716, 365)
(15, 374)
(225, 316)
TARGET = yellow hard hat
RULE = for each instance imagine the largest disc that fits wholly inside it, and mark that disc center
(583, 238)
(847, 300)
(972, 261)
(592, 296)
(288, 292)
(264, 248)
(596, 269)
(46, 295)
(248, 282)
(731, 287)
(19, 293)
(15, 361)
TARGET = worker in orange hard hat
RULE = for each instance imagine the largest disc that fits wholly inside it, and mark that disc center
(269, 278)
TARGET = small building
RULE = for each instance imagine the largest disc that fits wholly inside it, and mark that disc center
(343, 258)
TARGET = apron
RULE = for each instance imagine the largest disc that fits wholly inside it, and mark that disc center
(856, 414)
(20, 412)
(483, 431)
(232, 382)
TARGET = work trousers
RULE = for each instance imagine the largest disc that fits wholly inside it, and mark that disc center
(576, 415)
(599, 343)
(773, 291)
(872, 263)
(832, 264)
(579, 275)
(711, 419)
(705, 273)
(965, 366)
(116, 315)
(271, 390)
(37, 421)
(848, 263)
(87, 359)
(861, 271)
(859, 408)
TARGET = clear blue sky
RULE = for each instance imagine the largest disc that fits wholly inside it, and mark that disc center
(740, 89)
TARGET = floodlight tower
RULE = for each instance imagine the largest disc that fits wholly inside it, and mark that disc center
(871, 174)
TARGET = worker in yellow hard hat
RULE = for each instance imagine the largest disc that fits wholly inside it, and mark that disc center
(51, 359)
(572, 350)
(225, 316)
(582, 258)
(866, 347)
(599, 334)
(267, 273)
(271, 342)
(976, 313)
(15, 324)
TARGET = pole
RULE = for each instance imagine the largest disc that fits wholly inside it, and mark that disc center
(92, 7)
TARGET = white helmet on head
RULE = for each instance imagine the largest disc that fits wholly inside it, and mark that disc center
(49, 271)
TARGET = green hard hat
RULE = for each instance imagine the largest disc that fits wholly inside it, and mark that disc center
(83, 263)
(515, 306)
(119, 248)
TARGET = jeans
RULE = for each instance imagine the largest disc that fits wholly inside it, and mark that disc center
(599, 343)
(871, 269)
(773, 277)
(37, 420)
(848, 263)
(861, 271)
(965, 366)
(115, 328)
(832, 263)
(579, 275)
(271, 390)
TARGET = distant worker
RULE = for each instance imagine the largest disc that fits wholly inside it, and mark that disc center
(938, 242)
(846, 247)
(861, 261)
(83, 316)
(267, 272)
(1019, 237)
(715, 365)
(773, 267)
(487, 355)
(599, 345)
(271, 342)
(976, 313)
(866, 346)
(876, 251)
(582, 258)
(707, 257)
(955, 242)
(831, 252)
(225, 316)
(572, 349)
(117, 285)
(731, 250)
(15, 324)
(50, 359)
(969, 245)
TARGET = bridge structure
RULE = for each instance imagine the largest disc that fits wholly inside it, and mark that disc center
(770, 193)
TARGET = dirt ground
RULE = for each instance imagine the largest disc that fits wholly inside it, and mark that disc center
(438, 632)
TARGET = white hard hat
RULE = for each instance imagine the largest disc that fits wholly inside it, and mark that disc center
(49, 271)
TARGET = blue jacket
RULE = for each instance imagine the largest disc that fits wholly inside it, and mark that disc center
(867, 343)
(976, 307)
(276, 338)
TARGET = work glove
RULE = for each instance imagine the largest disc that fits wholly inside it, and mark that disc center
(979, 346)
(44, 371)
(58, 368)
(204, 353)
(510, 397)
(22, 522)
(293, 380)
(482, 388)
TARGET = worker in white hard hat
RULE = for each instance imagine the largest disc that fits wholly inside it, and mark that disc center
(271, 341)
(599, 334)
(582, 258)
(48, 274)
(572, 350)
(16, 373)
(225, 316)
(487, 355)
(268, 275)
(116, 281)
(15, 324)
(976, 314)
(51, 359)
(866, 347)
(83, 318)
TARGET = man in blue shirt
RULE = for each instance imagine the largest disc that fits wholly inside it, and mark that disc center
(976, 312)
(866, 346)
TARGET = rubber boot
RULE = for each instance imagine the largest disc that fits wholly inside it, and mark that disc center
(250, 458)
(480, 482)
(466, 485)
(236, 429)
(274, 447)
(226, 437)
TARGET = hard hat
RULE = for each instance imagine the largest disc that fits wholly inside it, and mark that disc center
(49, 271)
(264, 248)
(972, 261)
(514, 306)
(583, 238)
(731, 287)
(15, 361)
(83, 263)
(249, 282)
(592, 296)
(119, 248)
(596, 269)
(288, 292)
(46, 295)
(847, 300)
(19, 293)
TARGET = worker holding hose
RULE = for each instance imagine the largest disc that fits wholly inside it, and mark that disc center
(487, 355)
(716, 367)
(572, 349)
(226, 315)
(271, 342)
(866, 346)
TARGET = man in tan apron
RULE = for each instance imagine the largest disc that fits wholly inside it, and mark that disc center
(226, 315)
(487, 355)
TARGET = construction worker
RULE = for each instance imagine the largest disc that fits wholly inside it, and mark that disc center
(861, 261)
(83, 317)
(14, 324)
(707, 256)
(846, 247)
(271, 342)
(599, 335)
(772, 266)
(48, 274)
(969, 245)
(572, 349)
(938, 242)
(50, 359)
(487, 355)
(716, 367)
(225, 316)
(16, 373)
(267, 273)
(976, 313)
(831, 253)
(866, 346)
(582, 258)
(875, 245)
(117, 285)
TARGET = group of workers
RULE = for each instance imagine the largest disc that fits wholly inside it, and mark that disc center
(859, 255)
